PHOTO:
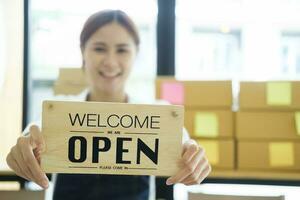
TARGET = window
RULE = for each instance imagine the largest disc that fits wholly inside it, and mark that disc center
(212, 53)
(208, 45)
(235, 39)
(290, 57)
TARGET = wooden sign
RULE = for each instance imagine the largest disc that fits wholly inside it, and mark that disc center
(111, 138)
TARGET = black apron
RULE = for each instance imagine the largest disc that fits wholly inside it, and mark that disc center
(101, 187)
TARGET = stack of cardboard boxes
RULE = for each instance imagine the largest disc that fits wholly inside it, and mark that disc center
(208, 115)
(268, 126)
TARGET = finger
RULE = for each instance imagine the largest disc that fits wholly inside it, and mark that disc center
(187, 145)
(32, 163)
(190, 150)
(189, 166)
(22, 163)
(24, 171)
(12, 163)
(201, 176)
(37, 154)
(36, 138)
(201, 166)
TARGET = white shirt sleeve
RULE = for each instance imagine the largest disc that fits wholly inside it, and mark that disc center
(185, 135)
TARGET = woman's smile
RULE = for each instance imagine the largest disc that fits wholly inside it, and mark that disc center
(109, 75)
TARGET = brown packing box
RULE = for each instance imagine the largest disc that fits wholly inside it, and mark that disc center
(70, 81)
(253, 96)
(68, 89)
(266, 125)
(220, 153)
(261, 155)
(72, 75)
(224, 120)
(201, 93)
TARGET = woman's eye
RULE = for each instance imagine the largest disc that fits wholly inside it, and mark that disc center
(99, 49)
(122, 50)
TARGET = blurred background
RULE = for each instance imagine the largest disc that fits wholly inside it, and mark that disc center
(237, 40)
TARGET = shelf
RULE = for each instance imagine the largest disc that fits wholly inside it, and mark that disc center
(6, 172)
(244, 175)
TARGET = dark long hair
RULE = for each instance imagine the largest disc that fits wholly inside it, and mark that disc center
(101, 18)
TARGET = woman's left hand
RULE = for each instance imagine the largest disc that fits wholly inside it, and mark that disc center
(194, 166)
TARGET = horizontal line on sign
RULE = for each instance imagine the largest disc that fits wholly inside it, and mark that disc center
(141, 168)
(81, 167)
(86, 131)
(142, 133)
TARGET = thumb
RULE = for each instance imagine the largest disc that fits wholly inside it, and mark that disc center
(188, 144)
(36, 138)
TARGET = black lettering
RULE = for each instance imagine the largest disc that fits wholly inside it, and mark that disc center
(108, 120)
(99, 122)
(130, 121)
(77, 116)
(154, 122)
(121, 150)
(142, 147)
(136, 121)
(90, 120)
(83, 148)
(96, 149)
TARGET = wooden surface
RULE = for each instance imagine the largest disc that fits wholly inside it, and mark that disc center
(59, 130)
(258, 175)
(201, 196)
(22, 194)
(4, 172)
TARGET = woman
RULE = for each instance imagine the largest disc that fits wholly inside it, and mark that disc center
(109, 43)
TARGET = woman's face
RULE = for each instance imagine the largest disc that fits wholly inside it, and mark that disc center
(108, 56)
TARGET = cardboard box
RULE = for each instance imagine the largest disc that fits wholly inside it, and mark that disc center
(71, 81)
(195, 93)
(281, 95)
(209, 123)
(261, 155)
(72, 75)
(220, 153)
(267, 125)
(68, 89)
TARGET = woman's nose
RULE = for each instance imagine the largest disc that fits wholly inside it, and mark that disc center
(110, 60)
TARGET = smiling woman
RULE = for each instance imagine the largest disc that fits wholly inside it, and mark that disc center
(109, 43)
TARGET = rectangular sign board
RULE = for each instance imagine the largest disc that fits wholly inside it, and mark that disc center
(111, 138)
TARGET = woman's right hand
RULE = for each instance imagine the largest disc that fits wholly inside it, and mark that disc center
(25, 157)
